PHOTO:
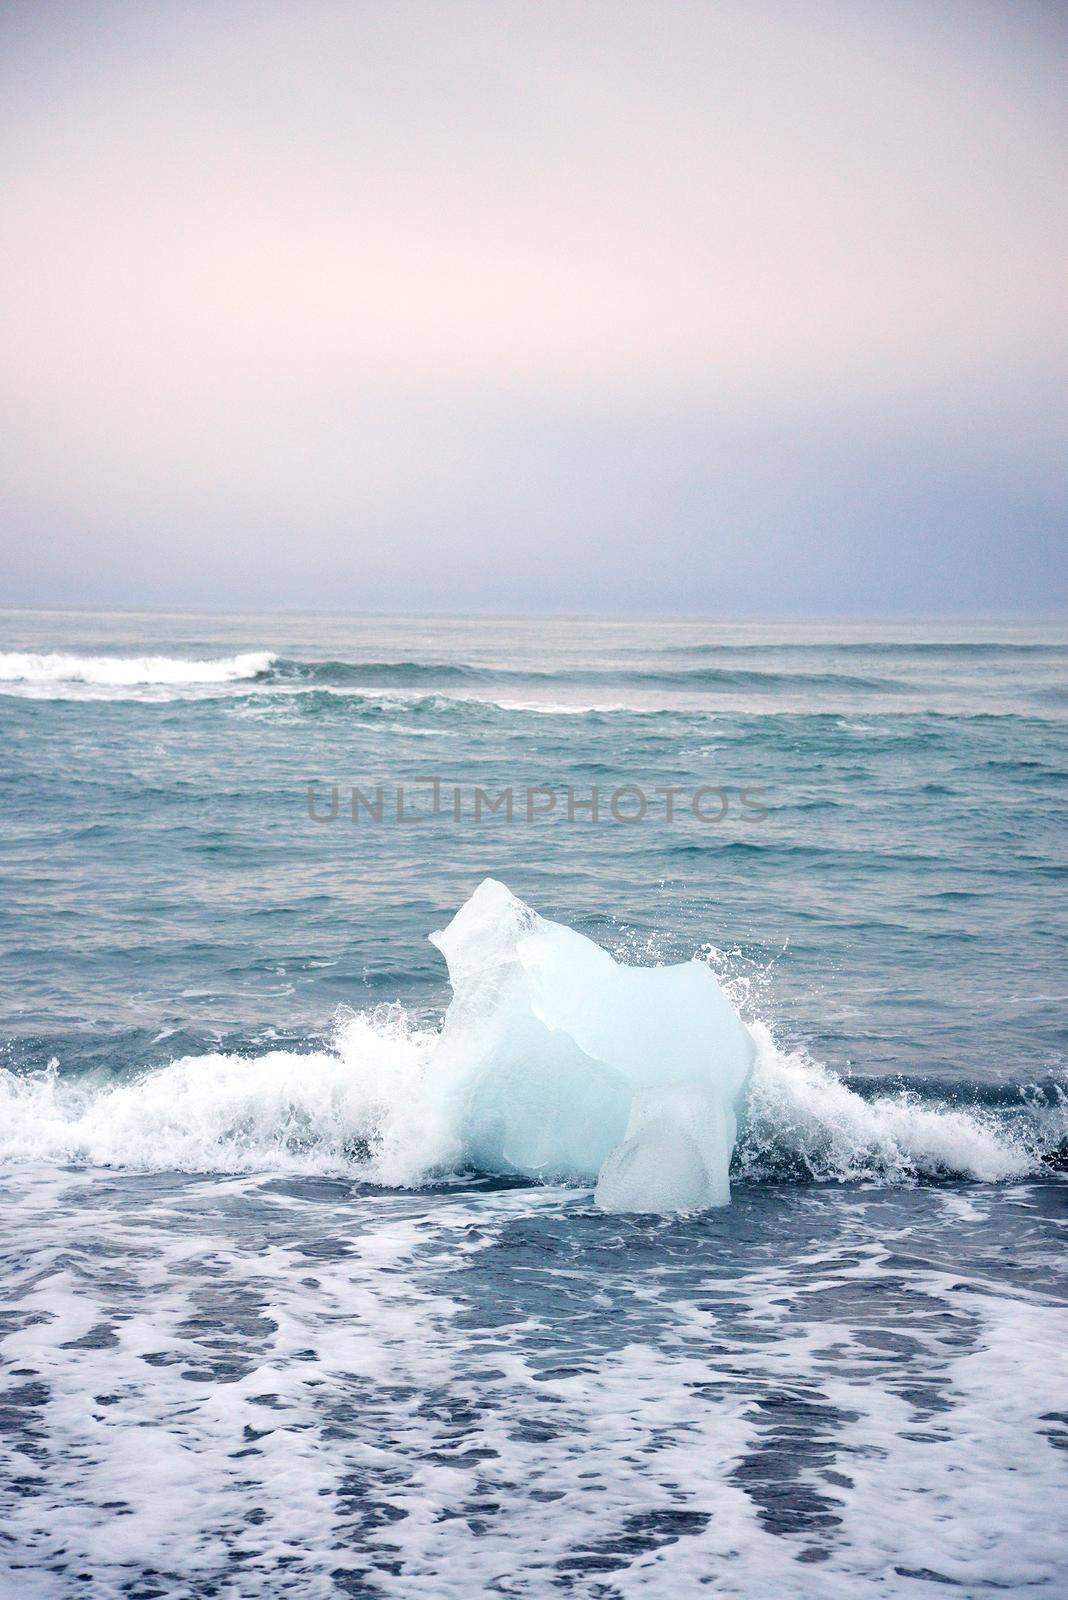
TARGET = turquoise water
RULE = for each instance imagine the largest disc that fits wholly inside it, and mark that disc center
(242, 1361)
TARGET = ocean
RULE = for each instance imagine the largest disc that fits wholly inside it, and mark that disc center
(269, 1327)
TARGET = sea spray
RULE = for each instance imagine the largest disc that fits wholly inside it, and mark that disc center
(554, 1063)
(113, 671)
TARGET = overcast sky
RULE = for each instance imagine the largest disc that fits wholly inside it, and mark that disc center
(728, 308)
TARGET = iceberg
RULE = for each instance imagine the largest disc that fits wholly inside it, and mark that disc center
(564, 1065)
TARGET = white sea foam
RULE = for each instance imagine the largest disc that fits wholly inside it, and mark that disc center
(802, 1116)
(58, 675)
(533, 1073)
(307, 1365)
(372, 1107)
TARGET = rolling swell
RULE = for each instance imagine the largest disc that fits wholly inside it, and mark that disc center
(401, 673)
(968, 649)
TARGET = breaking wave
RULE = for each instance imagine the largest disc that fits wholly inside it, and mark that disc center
(553, 1062)
(727, 676)
(28, 670)
(115, 672)
(67, 676)
(365, 1108)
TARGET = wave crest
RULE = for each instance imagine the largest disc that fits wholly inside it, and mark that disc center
(803, 1122)
(366, 1108)
(27, 669)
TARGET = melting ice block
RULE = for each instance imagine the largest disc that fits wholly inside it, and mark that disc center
(569, 1066)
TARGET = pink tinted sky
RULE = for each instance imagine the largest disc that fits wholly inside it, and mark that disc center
(738, 308)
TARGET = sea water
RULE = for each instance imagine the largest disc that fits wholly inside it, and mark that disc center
(310, 1285)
